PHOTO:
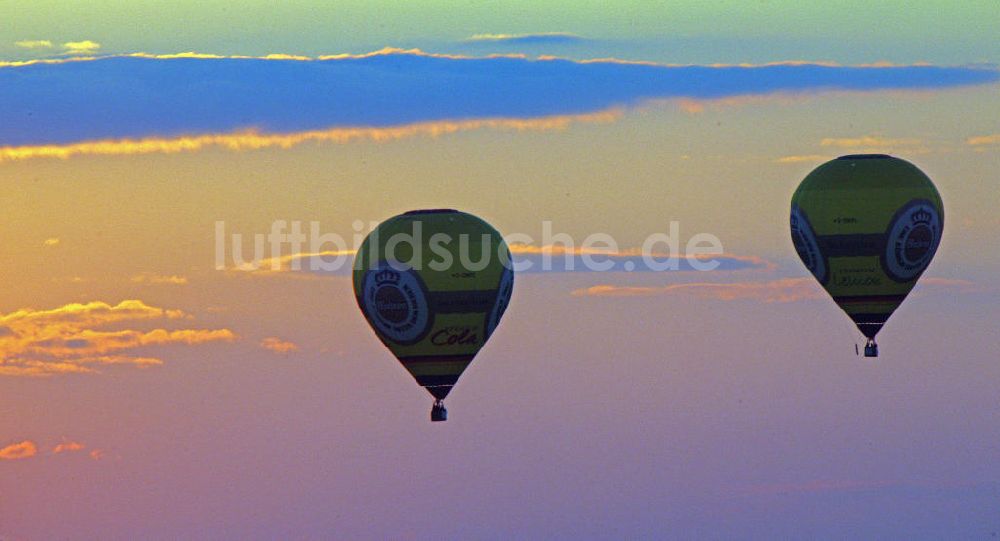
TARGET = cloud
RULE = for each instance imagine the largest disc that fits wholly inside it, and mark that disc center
(773, 291)
(51, 241)
(783, 290)
(156, 279)
(542, 38)
(67, 446)
(68, 279)
(278, 345)
(530, 258)
(868, 141)
(865, 143)
(297, 261)
(18, 451)
(254, 140)
(694, 105)
(980, 140)
(560, 258)
(88, 315)
(34, 44)
(81, 47)
(188, 101)
(73, 338)
(29, 449)
(805, 158)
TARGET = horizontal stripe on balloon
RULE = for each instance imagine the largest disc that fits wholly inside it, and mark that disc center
(857, 245)
(416, 359)
(873, 299)
(437, 380)
(462, 302)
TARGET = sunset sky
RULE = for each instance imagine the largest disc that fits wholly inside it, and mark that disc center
(148, 394)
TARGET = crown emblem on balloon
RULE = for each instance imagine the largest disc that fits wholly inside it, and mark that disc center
(386, 276)
(921, 217)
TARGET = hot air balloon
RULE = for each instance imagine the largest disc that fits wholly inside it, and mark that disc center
(867, 226)
(433, 284)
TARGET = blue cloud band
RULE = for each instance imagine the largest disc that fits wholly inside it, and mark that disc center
(134, 97)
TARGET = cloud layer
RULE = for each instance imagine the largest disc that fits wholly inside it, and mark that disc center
(67, 101)
(30, 449)
(253, 139)
(772, 291)
(75, 339)
(783, 290)
(528, 258)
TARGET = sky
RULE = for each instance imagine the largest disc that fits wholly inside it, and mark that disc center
(148, 393)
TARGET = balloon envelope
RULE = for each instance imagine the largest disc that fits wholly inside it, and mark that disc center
(433, 284)
(867, 226)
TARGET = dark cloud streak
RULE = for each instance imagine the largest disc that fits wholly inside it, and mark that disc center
(134, 97)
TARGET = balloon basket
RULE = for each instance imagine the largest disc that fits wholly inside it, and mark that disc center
(871, 349)
(438, 413)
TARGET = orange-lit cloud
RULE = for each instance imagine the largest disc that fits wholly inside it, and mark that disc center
(773, 291)
(18, 451)
(696, 106)
(255, 140)
(783, 290)
(981, 140)
(805, 158)
(863, 143)
(68, 279)
(87, 315)
(51, 241)
(560, 249)
(70, 446)
(71, 338)
(67, 446)
(869, 141)
(278, 345)
(292, 261)
(149, 278)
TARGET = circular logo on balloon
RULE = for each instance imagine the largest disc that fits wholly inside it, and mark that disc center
(913, 237)
(806, 246)
(395, 302)
(504, 291)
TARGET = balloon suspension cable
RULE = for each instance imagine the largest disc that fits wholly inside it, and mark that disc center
(438, 412)
(871, 348)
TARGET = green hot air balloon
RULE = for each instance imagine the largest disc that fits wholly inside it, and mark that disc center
(867, 226)
(434, 284)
